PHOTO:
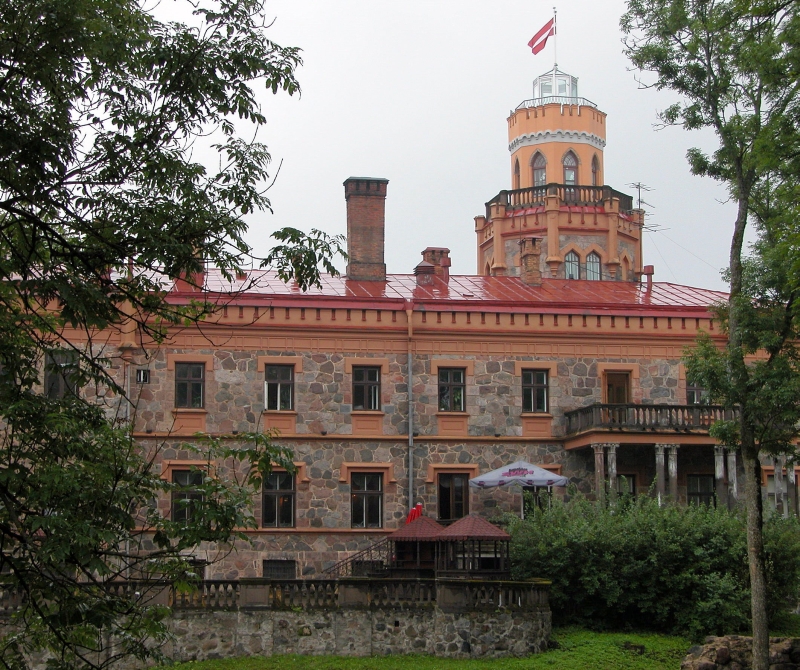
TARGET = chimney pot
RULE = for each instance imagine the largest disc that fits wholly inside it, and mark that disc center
(366, 207)
(648, 271)
(425, 272)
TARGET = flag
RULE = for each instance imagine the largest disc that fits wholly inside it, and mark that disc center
(539, 40)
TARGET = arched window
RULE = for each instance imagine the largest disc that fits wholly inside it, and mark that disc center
(593, 266)
(595, 172)
(572, 266)
(539, 170)
(570, 169)
(516, 174)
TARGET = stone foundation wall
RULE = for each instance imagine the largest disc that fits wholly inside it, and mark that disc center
(203, 635)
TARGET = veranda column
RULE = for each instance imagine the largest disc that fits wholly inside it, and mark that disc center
(780, 508)
(672, 466)
(733, 489)
(719, 475)
(612, 470)
(791, 488)
(599, 471)
(660, 479)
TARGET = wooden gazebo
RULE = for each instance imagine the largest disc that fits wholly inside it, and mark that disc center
(473, 548)
(413, 548)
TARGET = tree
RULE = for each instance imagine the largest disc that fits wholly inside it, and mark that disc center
(734, 65)
(103, 206)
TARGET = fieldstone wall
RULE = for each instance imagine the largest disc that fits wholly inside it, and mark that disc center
(234, 391)
(734, 652)
(209, 635)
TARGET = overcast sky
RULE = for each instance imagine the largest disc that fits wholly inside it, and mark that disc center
(419, 92)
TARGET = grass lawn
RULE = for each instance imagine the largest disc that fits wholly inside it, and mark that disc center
(578, 650)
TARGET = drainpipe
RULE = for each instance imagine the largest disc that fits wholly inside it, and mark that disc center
(410, 379)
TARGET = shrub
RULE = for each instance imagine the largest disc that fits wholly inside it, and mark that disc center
(634, 564)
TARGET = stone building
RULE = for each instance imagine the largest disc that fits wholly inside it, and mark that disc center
(397, 389)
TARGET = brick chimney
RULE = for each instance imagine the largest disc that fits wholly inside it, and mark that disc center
(439, 257)
(530, 251)
(366, 205)
(648, 271)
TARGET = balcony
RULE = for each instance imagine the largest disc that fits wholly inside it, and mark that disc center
(580, 196)
(645, 418)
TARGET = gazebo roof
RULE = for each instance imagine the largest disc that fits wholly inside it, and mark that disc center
(422, 528)
(473, 528)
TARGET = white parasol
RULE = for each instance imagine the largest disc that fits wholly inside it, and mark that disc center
(521, 473)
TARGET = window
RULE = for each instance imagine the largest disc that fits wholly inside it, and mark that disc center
(190, 385)
(595, 172)
(278, 501)
(539, 170)
(534, 390)
(700, 489)
(279, 569)
(143, 376)
(453, 496)
(279, 387)
(186, 497)
(366, 490)
(694, 394)
(60, 374)
(570, 169)
(516, 174)
(366, 388)
(572, 266)
(451, 389)
(593, 266)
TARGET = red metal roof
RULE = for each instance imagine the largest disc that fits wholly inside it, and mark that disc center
(421, 528)
(471, 293)
(473, 528)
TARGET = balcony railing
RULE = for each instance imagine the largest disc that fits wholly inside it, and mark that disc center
(556, 100)
(645, 418)
(583, 196)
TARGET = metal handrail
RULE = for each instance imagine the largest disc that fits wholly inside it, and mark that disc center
(556, 100)
(379, 552)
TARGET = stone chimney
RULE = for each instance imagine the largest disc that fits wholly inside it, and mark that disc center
(366, 205)
(425, 272)
(530, 251)
(439, 257)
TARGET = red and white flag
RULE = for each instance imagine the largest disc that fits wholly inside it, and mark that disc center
(539, 40)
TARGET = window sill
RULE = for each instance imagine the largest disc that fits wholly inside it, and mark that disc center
(536, 415)
(189, 410)
(367, 412)
(441, 413)
(287, 412)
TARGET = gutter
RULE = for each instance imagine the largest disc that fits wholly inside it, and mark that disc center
(410, 380)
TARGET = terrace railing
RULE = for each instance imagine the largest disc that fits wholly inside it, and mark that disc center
(568, 195)
(645, 418)
(402, 592)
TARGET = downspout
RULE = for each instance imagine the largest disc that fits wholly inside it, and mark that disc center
(410, 379)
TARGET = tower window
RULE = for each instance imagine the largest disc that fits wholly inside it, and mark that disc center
(516, 174)
(572, 266)
(593, 266)
(539, 170)
(570, 169)
(595, 172)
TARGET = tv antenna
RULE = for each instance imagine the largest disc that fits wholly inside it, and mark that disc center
(639, 186)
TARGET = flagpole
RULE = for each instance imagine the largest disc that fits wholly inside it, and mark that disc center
(555, 51)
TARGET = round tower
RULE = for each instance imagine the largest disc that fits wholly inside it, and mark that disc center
(588, 230)
(556, 137)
